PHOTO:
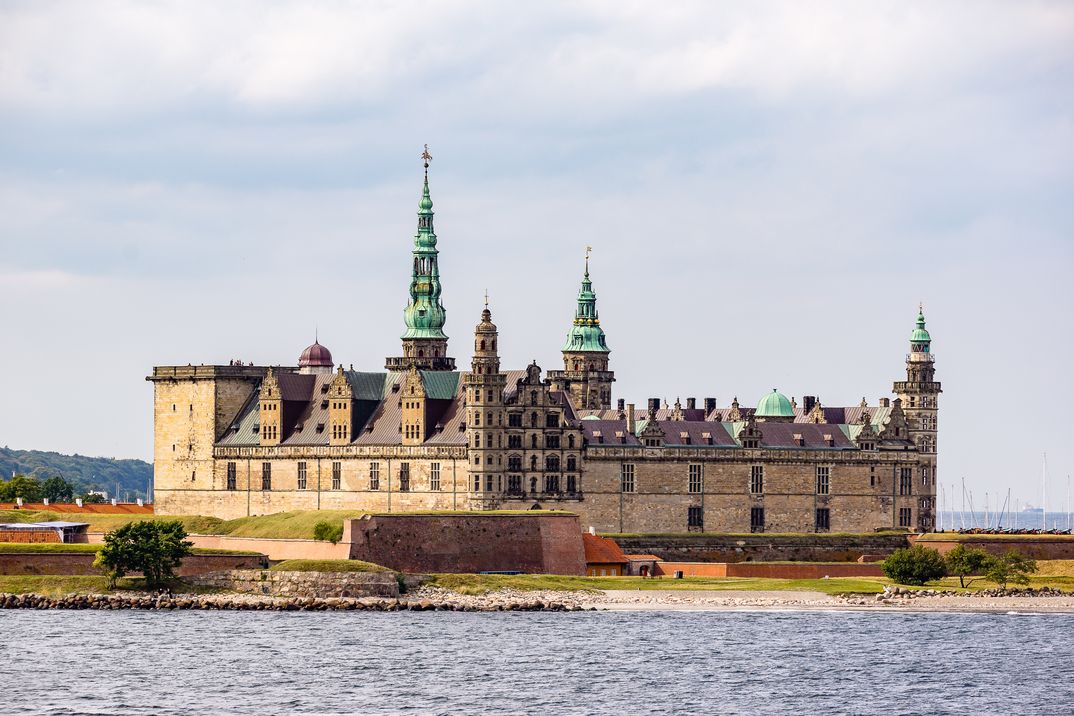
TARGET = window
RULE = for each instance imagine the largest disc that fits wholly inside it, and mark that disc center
(823, 480)
(570, 441)
(533, 441)
(695, 517)
(551, 442)
(404, 477)
(266, 476)
(572, 484)
(756, 519)
(337, 475)
(231, 476)
(551, 420)
(477, 483)
(533, 462)
(652, 442)
(302, 475)
(434, 477)
(551, 483)
(551, 463)
(905, 517)
(906, 480)
(626, 478)
(477, 440)
(374, 476)
(514, 484)
(695, 478)
(924, 477)
(572, 463)
(514, 420)
(757, 479)
(477, 417)
(533, 420)
(823, 521)
(514, 441)
(514, 464)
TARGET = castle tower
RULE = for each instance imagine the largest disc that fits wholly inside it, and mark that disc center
(424, 342)
(484, 387)
(585, 376)
(920, 394)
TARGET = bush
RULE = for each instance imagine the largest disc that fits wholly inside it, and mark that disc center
(1011, 567)
(153, 547)
(916, 566)
(328, 532)
(965, 561)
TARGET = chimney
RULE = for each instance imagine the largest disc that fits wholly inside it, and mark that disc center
(654, 404)
(620, 403)
(113, 502)
(592, 530)
(808, 401)
(710, 405)
(140, 503)
(78, 501)
(885, 402)
(691, 403)
(44, 500)
(630, 418)
(18, 502)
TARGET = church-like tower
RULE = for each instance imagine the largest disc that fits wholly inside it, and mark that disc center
(585, 376)
(920, 397)
(424, 342)
(484, 388)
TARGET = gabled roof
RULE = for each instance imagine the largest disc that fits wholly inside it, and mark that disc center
(601, 550)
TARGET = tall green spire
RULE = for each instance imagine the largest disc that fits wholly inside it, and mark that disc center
(586, 334)
(424, 316)
(920, 336)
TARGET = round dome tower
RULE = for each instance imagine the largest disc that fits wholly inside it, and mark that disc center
(315, 359)
(775, 407)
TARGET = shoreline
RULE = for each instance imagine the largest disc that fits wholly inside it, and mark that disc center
(438, 599)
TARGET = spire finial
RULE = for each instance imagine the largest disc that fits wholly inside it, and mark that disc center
(316, 333)
(426, 158)
(588, 250)
(486, 298)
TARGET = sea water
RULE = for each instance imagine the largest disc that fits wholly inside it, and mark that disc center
(665, 662)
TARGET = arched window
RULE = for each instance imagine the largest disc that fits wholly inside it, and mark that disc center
(570, 441)
(551, 463)
(572, 463)
(533, 462)
(482, 345)
(533, 420)
(421, 354)
(533, 397)
(533, 441)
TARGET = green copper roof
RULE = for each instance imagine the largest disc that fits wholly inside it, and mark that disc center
(424, 315)
(920, 335)
(585, 334)
(774, 405)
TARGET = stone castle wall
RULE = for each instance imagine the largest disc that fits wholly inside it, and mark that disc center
(762, 547)
(538, 544)
(302, 584)
(81, 563)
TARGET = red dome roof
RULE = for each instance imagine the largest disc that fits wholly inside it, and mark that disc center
(316, 356)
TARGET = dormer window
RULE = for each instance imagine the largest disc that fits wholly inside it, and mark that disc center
(684, 438)
(799, 440)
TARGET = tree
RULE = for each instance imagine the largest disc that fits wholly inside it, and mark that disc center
(153, 547)
(28, 488)
(91, 499)
(1011, 567)
(328, 532)
(916, 565)
(56, 489)
(965, 561)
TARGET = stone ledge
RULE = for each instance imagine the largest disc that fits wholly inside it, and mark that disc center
(302, 584)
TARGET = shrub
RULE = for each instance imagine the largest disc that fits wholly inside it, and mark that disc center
(1011, 567)
(153, 547)
(965, 561)
(916, 565)
(328, 532)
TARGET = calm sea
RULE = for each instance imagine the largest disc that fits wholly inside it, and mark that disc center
(54, 662)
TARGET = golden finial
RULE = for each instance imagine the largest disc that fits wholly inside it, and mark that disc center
(426, 157)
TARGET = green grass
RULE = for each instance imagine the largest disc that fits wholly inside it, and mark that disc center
(483, 583)
(55, 585)
(68, 548)
(327, 565)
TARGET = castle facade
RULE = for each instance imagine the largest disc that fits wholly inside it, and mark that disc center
(236, 440)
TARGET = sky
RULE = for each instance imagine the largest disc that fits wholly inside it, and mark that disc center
(769, 188)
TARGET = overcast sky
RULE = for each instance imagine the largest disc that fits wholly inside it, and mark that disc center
(769, 190)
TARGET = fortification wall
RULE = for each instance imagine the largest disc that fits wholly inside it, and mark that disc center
(538, 544)
(768, 570)
(81, 563)
(274, 549)
(1033, 546)
(303, 584)
(762, 547)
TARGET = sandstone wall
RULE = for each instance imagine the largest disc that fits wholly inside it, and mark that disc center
(540, 544)
(303, 584)
(762, 547)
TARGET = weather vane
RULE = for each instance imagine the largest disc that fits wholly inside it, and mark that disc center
(588, 250)
(426, 157)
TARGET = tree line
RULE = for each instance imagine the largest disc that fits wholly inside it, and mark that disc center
(84, 474)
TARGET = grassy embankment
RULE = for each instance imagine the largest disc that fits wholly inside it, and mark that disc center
(282, 525)
(68, 548)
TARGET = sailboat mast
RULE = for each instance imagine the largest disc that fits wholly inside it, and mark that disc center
(1044, 494)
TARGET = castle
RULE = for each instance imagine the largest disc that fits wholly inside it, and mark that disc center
(235, 440)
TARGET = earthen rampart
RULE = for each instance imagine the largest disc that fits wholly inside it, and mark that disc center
(762, 547)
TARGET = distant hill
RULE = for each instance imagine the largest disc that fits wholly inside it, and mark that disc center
(85, 473)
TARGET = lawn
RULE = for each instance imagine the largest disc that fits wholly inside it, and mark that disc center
(56, 585)
(326, 565)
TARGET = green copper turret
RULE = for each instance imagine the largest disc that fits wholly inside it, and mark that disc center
(424, 341)
(585, 334)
